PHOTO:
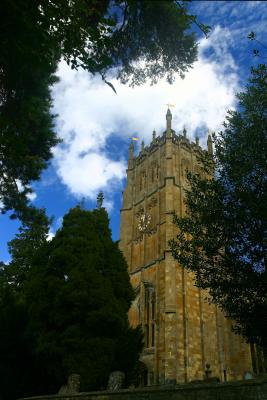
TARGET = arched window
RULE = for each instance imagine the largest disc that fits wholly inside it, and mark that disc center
(142, 180)
(154, 168)
(150, 312)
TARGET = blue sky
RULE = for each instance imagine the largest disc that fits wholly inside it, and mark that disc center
(95, 124)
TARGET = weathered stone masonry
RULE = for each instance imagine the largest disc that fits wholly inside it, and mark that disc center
(183, 333)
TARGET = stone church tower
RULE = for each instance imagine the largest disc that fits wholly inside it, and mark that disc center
(185, 337)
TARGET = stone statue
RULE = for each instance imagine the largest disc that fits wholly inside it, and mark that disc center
(73, 385)
(116, 380)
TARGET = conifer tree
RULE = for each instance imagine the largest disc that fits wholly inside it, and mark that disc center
(32, 235)
(18, 363)
(77, 296)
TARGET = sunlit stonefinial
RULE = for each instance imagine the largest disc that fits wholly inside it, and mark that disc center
(131, 150)
(143, 145)
(131, 155)
(169, 122)
(209, 143)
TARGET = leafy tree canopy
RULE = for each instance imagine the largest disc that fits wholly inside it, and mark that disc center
(143, 40)
(223, 236)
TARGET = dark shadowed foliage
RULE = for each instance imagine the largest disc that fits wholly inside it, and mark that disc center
(142, 40)
(77, 295)
(223, 236)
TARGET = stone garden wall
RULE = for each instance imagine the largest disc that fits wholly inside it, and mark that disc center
(254, 389)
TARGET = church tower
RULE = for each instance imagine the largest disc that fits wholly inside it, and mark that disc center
(186, 338)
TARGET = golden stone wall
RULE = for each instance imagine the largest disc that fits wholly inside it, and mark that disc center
(183, 332)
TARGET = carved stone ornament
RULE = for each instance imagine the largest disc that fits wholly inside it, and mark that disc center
(116, 380)
(152, 203)
(73, 385)
(144, 222)
(139, 212)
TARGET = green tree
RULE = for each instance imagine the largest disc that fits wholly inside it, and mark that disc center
(77, 295)
(222, 237)
(27, 66)
(141, 39)
(21, 371)
(17, 361)
(32, 235)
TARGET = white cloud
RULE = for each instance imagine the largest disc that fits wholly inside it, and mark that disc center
(90, 114)
(241, 17)
(50, 235)
(59, 222)
(109, 205)
(31, 196)
(53, 229)
(85, 175)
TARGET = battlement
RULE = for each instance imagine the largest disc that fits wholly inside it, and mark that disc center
(180, 140)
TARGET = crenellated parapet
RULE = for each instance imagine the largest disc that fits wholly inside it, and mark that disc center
(180, 140)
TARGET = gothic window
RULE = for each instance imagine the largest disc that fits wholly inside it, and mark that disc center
(149, 324)
(153, 321)
(142, 180)
(154, 171)
(135, 311)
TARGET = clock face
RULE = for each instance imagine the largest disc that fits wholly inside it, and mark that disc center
(144, 221)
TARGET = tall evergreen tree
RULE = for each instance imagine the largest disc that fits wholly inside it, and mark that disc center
(77, 295)
(18, 363)
(32, 235)
(223, 237)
